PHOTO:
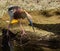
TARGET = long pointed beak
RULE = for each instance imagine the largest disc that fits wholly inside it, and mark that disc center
(31, 23)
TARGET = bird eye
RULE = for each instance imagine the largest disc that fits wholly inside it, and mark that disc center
(11, 10)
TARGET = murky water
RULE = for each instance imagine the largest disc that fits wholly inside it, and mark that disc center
(33, 44)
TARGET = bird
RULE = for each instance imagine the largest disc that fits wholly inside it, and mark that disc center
(17, 14)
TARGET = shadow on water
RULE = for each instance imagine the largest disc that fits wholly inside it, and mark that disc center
(7, 35)
(29, 47)
(6, 39)
(32, 44)
(55, 28)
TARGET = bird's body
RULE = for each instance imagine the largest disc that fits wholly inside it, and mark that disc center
(16, 14)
